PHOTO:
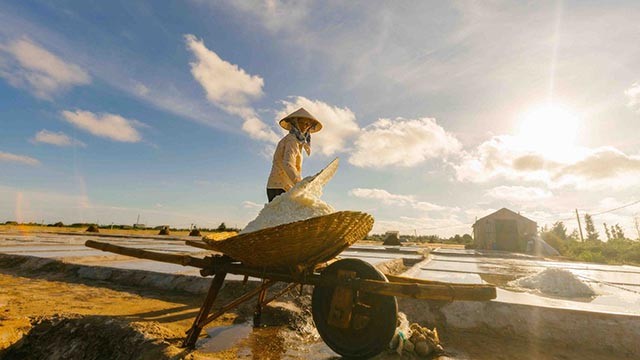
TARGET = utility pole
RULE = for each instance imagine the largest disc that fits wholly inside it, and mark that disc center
(579, 226)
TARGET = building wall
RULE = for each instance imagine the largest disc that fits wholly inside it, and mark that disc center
(484, 231)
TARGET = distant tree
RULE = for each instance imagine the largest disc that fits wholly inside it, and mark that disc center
(467, 239)
(574, 236)
(559, 230)
(606, 231)
(617, 232)
(592, 234)
(222, 227)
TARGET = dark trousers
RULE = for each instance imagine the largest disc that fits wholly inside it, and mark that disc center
(272, 193)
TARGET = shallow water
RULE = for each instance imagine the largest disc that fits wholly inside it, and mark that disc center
(617, 286)
(224, 337)
(272, 342)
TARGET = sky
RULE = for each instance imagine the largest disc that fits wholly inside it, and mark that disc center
(440, 112)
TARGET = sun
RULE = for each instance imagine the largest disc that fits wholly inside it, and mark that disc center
(549, 129)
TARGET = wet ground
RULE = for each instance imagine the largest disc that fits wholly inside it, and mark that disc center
(55, 317)
(71, 248)
(29, 300)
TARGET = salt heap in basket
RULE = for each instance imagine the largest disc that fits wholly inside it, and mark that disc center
(300, 203)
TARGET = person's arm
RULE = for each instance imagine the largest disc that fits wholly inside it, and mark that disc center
(291, 153)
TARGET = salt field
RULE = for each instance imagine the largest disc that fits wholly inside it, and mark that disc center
(574, 322)
(617, 287)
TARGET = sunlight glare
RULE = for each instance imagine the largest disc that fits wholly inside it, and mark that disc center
(549, 129)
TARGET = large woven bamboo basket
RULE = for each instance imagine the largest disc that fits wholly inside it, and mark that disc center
(299, 244)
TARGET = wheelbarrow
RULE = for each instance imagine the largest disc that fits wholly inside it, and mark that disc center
(353, 304)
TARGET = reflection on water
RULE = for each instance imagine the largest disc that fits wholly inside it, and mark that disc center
(224, 337)
(272, 342)
(264, 343)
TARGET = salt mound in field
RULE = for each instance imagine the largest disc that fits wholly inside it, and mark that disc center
(556, 282)
(300, 203)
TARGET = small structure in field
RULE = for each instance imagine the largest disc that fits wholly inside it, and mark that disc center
(504, 230)
(164, 230)
(195, 232)
(392, 238)
(93, 228)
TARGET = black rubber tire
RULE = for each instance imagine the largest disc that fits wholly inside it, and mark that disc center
(375, 336)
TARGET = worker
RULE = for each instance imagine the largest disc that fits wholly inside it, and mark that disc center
(286, 170)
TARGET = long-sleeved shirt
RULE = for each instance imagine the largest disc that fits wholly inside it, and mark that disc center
(286, 170)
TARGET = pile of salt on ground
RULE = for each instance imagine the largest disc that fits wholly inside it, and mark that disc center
(300, 203)
(555, 282)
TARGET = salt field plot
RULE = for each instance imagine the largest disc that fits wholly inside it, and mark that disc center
(617, 287)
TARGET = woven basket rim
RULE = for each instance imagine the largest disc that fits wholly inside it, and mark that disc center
(277, 229)
(306, 242)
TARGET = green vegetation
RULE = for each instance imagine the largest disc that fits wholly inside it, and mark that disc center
(465, 239)
(221, 228)
(618, 249)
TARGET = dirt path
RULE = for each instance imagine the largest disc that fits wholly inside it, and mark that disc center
(161, 316)
(50, 312)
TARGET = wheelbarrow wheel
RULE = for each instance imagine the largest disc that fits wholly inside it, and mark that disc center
(372, 324)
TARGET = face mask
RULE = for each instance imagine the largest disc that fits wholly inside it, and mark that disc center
(303, 138)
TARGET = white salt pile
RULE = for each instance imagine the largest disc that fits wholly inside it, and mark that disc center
(300, 203)
(555, 282)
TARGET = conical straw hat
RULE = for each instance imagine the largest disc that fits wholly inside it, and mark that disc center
(301, 114)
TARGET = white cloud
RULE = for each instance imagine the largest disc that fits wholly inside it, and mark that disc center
(423, 226)
(604, 166)
(4, 156)
(519, 193)
(109, 126)
(504, 157)
(275, 15)
(258, 130)
(162, 85)
(380, 194)
(140, 89)
(339, 124)
(229, 87)
(56, 138)
(27, 65)
(232, 89)
(402, 142)
(251, 205)
(633, 93)
(226, 84)
(394, 199)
